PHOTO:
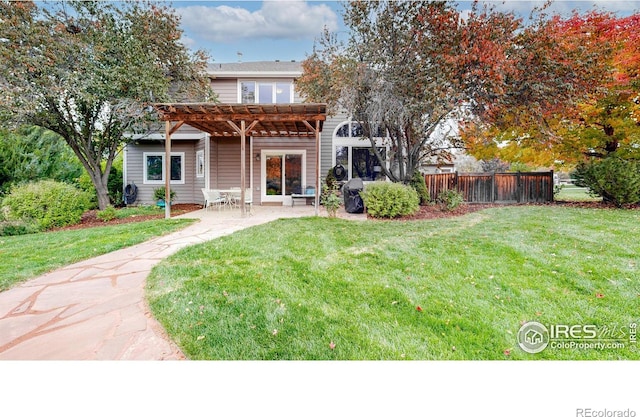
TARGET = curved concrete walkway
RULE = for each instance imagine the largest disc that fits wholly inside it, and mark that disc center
(96, 309)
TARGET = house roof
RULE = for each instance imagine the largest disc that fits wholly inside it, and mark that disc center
(262, 120)
(256, 68)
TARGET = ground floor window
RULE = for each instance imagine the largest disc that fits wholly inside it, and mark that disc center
(200, 164)
(154, 170)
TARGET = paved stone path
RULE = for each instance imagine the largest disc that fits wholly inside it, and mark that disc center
(96, 309)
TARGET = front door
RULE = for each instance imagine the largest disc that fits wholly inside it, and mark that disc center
(283, 174)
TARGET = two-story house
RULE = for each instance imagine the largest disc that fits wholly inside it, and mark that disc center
(275, 166)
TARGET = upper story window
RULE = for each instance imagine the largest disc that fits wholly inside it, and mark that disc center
(355, 130)
(266, 92)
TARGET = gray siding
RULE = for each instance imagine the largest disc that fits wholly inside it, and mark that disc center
(157, 131)
(226, 89)
(185, 193)
(326, 150)
(225, 163)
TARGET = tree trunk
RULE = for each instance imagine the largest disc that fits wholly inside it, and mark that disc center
(103, 196)
(102, 191)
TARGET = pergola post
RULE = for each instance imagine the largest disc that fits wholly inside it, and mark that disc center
(318, 190)
(167, 170)
(243, 167)
(242, 131)
(168, 131)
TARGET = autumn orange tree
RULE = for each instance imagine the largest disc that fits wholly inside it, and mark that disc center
(87, 70)
(409, 68)
(598, 117)
(609, 121)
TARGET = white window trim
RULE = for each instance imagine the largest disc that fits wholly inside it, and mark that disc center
(286, 200)
(199, 156)
(273, 83)
(164, 168)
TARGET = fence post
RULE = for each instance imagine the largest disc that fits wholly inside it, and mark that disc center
(518, 187)
(493, 187)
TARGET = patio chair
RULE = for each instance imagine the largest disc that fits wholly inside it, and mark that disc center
(212, 198)
(248, 199)
(233, 198)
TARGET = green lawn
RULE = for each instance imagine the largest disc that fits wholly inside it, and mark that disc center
(572, 192)
(27, 256)
(324, 289)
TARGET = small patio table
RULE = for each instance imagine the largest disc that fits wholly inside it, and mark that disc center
(231, 196)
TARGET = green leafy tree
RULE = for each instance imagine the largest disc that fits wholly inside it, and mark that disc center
(33, 153)
(615, 179)
(87, 71)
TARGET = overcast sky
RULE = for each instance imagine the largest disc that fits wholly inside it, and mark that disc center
(286, 29)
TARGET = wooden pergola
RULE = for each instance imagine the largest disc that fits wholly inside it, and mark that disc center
(303, 120)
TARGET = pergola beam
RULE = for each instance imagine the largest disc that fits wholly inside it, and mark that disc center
(207, 117)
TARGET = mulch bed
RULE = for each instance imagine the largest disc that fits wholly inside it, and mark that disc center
(434, 211)
(90, 219)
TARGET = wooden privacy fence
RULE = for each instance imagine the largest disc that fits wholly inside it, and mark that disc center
(507, 187)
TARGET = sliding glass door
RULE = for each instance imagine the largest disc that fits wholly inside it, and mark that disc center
(283, 174)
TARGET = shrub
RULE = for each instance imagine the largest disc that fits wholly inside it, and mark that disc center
(494, 165)
(389, 200)
(48, 203)
(159, 193)
(614, 179)
(107, 214)
(17, 227)
(418, 184)
(84, 183)
(329, 199)
(330, 180)
(450, 199)
(115, 187)
(557, 189)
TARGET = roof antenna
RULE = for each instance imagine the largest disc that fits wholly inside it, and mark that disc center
(239, 56)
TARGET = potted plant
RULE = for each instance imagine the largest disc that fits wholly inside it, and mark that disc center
(159, 196)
